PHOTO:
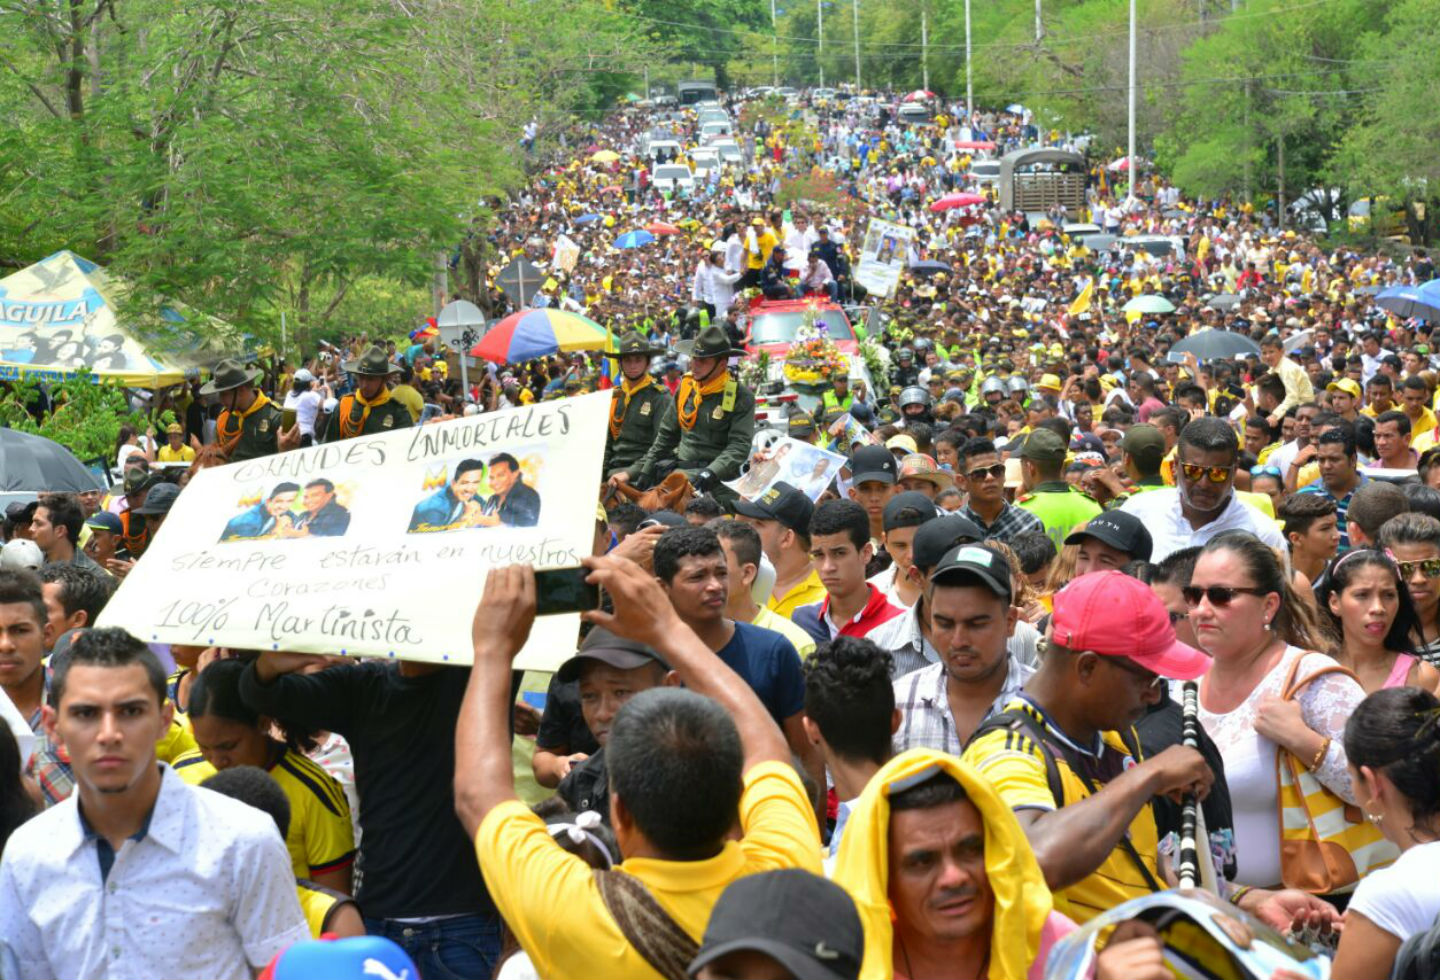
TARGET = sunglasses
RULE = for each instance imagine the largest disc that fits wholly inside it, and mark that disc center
(1266, 471)
(1217, 474)
(997, 471)
(1219, 595)
(1152, 680)
(1429, 567)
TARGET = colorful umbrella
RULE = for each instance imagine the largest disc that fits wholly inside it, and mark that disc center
(918, 95)
(974, 145)
(538, 333)
(634, 239)
(612, 189)
(662, 228)
(958, 200)
(604, 156)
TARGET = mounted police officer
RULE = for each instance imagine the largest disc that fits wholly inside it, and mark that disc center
(249, 425)
(639, 406)
(368, 410)
(707, 431)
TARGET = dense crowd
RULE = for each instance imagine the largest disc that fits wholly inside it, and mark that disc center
(926, 717)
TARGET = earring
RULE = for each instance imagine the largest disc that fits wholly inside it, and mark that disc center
(1268, 627)
(1376, 818)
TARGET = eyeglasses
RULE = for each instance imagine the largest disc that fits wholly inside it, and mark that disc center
(1217, 474)
(1219, 595)
(1152, 680)
(997, 471)
(1429, 567)
(1266, 471)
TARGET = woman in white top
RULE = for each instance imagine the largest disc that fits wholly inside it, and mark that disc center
(1393, 743)
(1255, 626)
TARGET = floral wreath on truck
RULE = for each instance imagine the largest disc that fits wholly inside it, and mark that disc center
(813, 358)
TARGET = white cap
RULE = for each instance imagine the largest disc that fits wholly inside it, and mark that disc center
(304, 375)
(21, 553)
(330, 405)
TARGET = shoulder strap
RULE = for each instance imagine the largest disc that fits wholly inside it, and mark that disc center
(646, 925)
(1133, 747)
(1017, 720)
(1292, 687)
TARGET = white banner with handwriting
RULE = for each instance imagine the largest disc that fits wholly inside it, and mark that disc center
(375, 546)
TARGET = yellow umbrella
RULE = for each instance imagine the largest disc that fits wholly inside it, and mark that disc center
(604, 156)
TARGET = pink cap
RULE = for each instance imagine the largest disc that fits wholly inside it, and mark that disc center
(1118, 616)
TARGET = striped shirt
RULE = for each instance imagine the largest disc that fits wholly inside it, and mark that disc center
(1342, 504)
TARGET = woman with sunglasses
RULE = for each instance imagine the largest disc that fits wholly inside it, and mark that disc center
(1372, 618)
(1393, 743)
(1255, 626)
(1414, 540)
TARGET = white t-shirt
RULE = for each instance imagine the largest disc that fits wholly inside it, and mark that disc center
(1393, 898)
(307, 406)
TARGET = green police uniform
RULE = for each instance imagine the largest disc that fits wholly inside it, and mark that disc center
(350, 418)
(1059, 505)
(724, 425)
(245, 434)
(633, 426)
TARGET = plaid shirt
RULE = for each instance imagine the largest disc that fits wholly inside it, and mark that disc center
(925, 719)
(1011, 521)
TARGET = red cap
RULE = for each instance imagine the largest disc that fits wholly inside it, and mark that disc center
(1118, 616)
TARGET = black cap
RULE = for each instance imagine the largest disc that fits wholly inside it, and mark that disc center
(801, 424)
(873, 463)
(940, 535)
(911, 500)
(818, 936)
(1122, 531)
(606, 647)
(664, 518)
(782, 503)
(976, 561)
(159, 500)
(18, 513)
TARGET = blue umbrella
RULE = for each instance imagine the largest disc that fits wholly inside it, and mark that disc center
(634, 239)
(585, 219)
(1407, 301)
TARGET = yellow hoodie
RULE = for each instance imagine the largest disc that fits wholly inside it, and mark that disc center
(1022, 900)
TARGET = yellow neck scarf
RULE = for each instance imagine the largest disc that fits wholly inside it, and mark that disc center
(1022, 901)
(228, 436)
(687, 398)
(621, 403)
(349, 428)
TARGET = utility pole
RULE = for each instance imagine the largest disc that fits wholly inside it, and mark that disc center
(855, 7)
(969, 86)
(1130, 149)
(925, 48)
(820, 39)
(774, 49)
(1039, 28)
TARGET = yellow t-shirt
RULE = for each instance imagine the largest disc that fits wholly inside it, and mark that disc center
(185, 454)
(803, 642)
(1015, 766)
(413, 401)
(551, 902)
(319, 904)
(321, 836)
(809, 590)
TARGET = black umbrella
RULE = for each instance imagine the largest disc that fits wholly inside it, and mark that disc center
(1223, 301)
(31, 465)
(928, 267)
(1214, 345)
(520, 280)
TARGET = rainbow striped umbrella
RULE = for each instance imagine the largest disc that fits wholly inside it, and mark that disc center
(538, 333)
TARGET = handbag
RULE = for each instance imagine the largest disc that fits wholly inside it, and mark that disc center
(1326, 844)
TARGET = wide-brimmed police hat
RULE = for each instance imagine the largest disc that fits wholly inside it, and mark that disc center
(711, 342)
(373, 362)
(228, 374)
(634, 342)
